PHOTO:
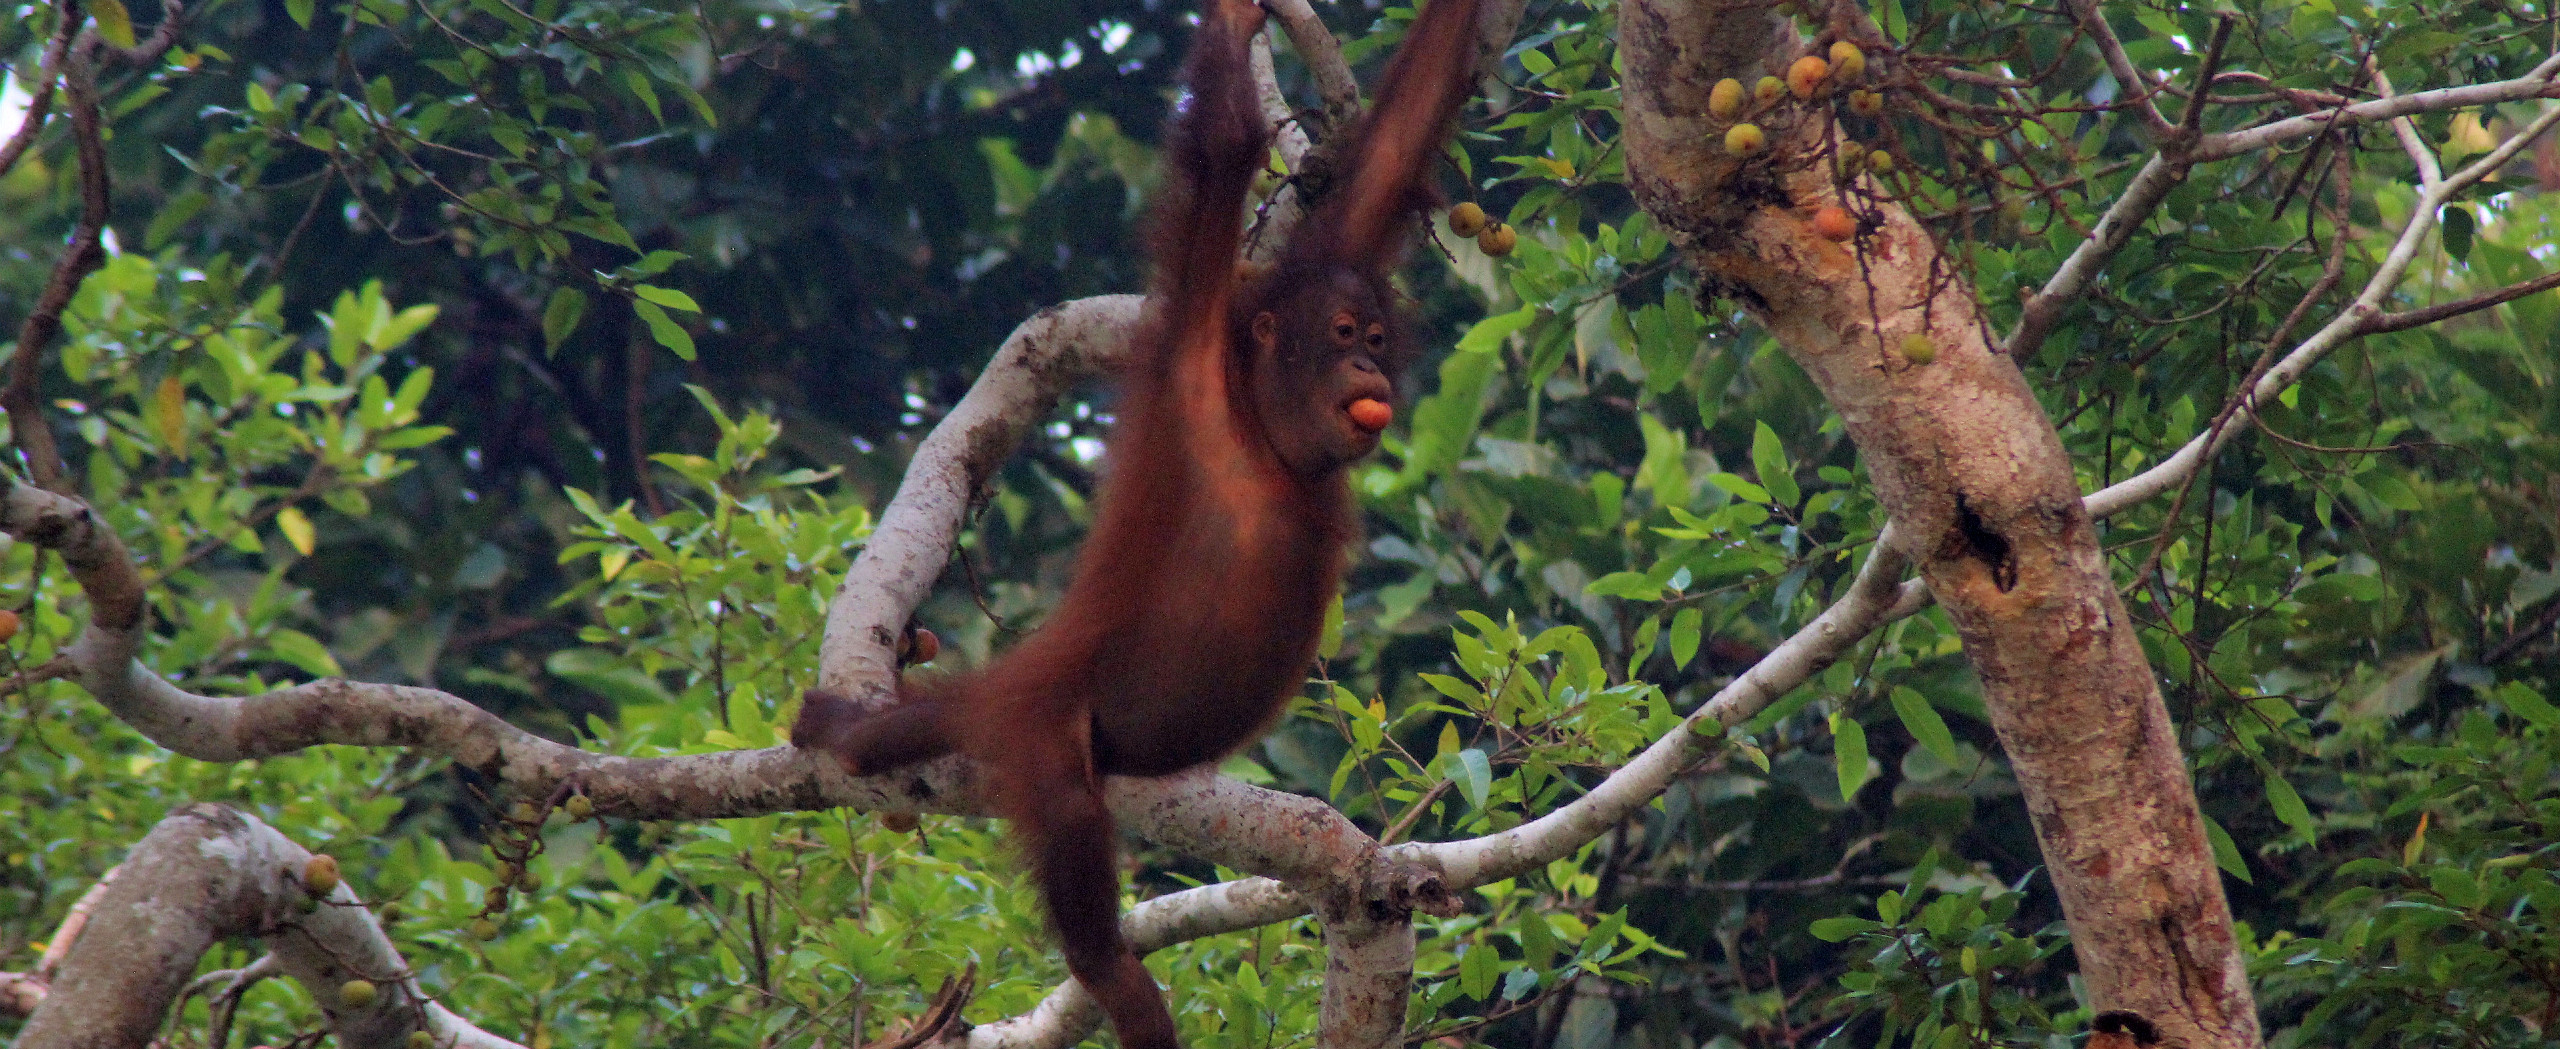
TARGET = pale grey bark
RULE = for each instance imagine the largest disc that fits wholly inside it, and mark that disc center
(206, 874)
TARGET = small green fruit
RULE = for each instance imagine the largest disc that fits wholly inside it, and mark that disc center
(1917, 349)
(484, 930)
(1744, 140)
(581, 808)
(421, 1040)
(526, 882)
(523, 812)
(1768, 89)
(357, 994)
(1880, 162)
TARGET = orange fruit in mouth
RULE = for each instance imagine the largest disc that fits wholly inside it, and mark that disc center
(1371, 414)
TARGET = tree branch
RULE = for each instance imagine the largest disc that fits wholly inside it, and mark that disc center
(2536, 84)
(206, 874)
(48, 73)
(83, 256)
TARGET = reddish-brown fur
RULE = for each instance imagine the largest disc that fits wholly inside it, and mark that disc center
(1197, 602)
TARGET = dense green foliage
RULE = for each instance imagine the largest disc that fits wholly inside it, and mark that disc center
(559, 354)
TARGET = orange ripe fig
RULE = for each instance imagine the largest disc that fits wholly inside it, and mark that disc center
(1806, 76)
(1466, 219)
(1745, 139)
(8, 624)
(920, 647)
(1497, 240)
(1835, 223)
(1371, 415)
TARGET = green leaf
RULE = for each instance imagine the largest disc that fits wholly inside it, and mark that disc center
(174, 216)
(664, 328)
(1926, 727)
(1478, 966)
(2459, 227)
(1686, 627)
(1849, 755)
(1474, 775)
(1889, 17)
(2521, 700)
(637, 80)
(2288, 805)
(304, 651)
(667, 297)
(1835, 930)
(607, 673)
(114, 22)
(561, 316)
(1769, 459)
(2226, 853)
(1487, 335)
(299, 11)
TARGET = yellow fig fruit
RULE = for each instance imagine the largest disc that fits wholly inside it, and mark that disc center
(523, 812)
(1917, 349)
(484, 930)
(1768, 89)
(421, 1040)
(1467, 219)
(1497, 240)
(1743, 140)
(320, 874)
(1880, 162)
(357, 994)
(1806, 77)
(1847, 60)
(580, 807)
(1866, 103)
(1725, 101)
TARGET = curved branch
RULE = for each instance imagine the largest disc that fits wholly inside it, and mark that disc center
(1322, 55)
(905, 554)
(2540, 83)
(1877, 596)
(81, 257)
(205, 874)
(40, 102)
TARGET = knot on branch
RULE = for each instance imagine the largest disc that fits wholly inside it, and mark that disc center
(1397, 888)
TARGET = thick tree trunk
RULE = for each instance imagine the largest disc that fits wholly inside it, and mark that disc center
(1982, 494)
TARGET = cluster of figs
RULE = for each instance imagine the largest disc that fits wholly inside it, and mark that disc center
(1493, 236)
(1729, 102)
(1809, 78)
